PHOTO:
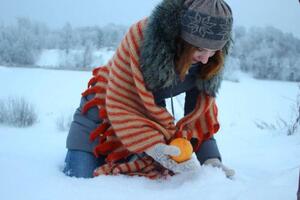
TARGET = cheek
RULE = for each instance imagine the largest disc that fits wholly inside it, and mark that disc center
(197, 55)
(194, 56)
(200, 55)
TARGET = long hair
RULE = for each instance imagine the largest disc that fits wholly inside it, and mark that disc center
(184, 58)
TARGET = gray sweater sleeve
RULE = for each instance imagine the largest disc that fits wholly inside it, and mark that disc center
(208, 149)
(82, 126)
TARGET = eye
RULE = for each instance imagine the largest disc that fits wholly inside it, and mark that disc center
(206, 50)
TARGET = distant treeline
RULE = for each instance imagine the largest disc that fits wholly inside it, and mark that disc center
(22, 42)
(266, 52)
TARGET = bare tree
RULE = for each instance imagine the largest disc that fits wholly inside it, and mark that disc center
(66, 38)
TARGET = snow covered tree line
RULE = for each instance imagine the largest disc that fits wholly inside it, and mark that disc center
(21, 43)
(267, 52)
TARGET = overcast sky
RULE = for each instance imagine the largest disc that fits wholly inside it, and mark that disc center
(283, 14)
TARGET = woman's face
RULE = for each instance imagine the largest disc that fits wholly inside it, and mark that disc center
(202, 55)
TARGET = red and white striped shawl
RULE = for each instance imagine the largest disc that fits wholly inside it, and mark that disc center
(132, 122)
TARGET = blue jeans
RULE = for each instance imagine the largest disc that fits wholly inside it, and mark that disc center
(81, 164)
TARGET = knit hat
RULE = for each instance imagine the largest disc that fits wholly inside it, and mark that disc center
(206, 23)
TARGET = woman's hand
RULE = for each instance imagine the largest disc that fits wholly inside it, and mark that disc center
(215, 162)
(161, 153)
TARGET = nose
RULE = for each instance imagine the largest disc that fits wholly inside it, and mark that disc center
(203, 58)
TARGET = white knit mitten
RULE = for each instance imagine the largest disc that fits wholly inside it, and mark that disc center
(161, 153)
(215, 162)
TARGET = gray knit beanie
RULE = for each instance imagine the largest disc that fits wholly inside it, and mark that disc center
(206, 23)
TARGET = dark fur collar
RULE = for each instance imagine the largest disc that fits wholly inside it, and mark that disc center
(158, 49)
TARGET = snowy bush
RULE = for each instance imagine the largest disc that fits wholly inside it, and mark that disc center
(18, 112)
(296, 123)
(63, 122)
(78, 59)
(85, 57)
(290, 125)
(280, 124)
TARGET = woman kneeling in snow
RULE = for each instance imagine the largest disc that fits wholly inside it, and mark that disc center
(122, 125)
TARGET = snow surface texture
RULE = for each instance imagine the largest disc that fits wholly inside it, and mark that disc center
(266, 161)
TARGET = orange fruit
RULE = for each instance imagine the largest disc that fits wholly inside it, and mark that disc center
(186, 149)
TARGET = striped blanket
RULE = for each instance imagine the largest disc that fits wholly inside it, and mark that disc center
(132, 122)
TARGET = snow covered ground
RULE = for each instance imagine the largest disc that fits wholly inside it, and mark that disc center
(266, 161)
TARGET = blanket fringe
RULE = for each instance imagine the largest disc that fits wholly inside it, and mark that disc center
(93, 90)
(117, 155)
(99, 131)
(107, 147)
(92, 103)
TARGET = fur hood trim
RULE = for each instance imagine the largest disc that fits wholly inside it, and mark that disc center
(158, 49)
